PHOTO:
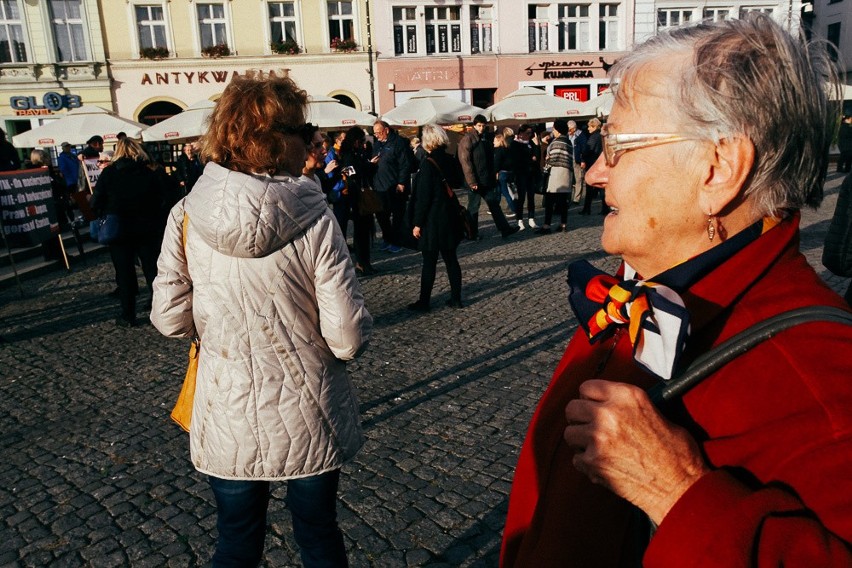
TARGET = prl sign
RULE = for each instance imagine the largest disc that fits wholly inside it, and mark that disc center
(50, 103)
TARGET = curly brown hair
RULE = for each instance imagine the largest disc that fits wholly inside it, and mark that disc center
(255, 127)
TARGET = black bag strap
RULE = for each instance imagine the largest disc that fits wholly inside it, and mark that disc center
(709, 362)
(449, 190)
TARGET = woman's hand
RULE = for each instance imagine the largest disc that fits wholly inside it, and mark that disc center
(416, 232)
(625, 444)
(331, 166)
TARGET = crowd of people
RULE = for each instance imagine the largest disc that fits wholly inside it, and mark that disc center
(702, 206)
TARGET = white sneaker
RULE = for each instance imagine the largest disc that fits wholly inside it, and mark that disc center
(532, 224)
(521, 225)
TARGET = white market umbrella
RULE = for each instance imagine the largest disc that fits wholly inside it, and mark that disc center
(77, 127)
(192, 122)
(598, 106)
(845, 93)
(531, 104)
(327, 112)
(428, 106)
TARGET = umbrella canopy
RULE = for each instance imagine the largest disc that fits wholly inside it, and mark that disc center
(327, 112)
(598, 106)
(191, 123)
(431, 107)
(531, 104)
(845, 94)
(77, 127)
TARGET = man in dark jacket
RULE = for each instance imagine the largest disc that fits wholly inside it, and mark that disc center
(476, 156)
(591, 150)
(9, 159)
(523, 157)
(394, 163)
(578, 141)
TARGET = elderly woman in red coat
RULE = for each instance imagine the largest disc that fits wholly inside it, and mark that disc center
(717, 137)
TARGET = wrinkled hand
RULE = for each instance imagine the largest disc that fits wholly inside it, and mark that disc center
(625, 444)
(416, 232)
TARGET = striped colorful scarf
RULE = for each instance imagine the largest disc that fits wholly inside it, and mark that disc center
(653, 312)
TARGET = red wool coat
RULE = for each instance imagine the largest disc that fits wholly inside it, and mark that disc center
(775, 424)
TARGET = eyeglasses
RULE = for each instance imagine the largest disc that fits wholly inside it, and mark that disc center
(615, 144)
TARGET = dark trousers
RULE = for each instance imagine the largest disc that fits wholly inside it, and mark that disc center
(124, 256)
(427, 274)
(492, 199)
(361, 232)
(241, 520)
(559, 201)
(391, 218)
(844, 162)
(526, 192)
(342, 209)
(591, 193)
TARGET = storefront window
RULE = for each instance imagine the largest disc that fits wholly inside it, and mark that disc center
(67, 23)
(151, 26)
(13, 49)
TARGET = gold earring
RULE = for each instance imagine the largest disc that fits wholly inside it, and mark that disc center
(711, 230)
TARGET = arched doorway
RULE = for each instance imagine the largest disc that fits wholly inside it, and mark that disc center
(344, 100)
(158, 112)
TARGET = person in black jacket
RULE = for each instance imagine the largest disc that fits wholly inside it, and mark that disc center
(435, 224)
(844, 143)
(9, 159)
(189, 168)
(137, 193)
(393, 161)
(591, 150)
(837, 250)
(523, 159)
(353, 164)
(476, 156)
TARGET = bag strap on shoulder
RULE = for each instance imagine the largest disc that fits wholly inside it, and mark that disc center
(447, 187)
(713, 360)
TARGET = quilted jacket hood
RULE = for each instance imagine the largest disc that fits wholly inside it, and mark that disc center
(252, 216)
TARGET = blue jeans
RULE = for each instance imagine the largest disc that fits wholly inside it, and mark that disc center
(503, 183)
(241, 520)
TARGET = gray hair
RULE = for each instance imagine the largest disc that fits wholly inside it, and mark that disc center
(433, 136)
(595, 123)
(751, 77)
(572, 124)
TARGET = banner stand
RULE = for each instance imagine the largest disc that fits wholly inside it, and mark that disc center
(11, 260)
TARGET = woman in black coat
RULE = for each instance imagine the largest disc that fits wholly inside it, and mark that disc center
(130, 189)
(353, 164)
(436, 225)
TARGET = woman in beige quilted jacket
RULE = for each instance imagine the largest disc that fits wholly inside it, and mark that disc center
(264, 279)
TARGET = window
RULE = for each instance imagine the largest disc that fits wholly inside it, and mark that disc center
(717, 14)
(212, 25)
(443, 30)
(538, 22)
(574, 27)
(66, 20)
(675, 17)
(341, 23)
(151, 26)
(405, 30)
(13, 49)
(756, 9)
(481, 29)
(608, 26)
(282, 21)
(833, 36)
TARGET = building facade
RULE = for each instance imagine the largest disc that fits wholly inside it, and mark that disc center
(52, 59)
(165, 55)
(480, 51)
(832, 20)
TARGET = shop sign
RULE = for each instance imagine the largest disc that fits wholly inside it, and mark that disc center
(196, 77)
(578, 93)
(51, 102)
(568, 69)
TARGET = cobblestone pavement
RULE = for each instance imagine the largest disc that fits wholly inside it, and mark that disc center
(93, 473)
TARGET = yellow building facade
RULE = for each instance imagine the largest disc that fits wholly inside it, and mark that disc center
(52, 59)
(166, 55)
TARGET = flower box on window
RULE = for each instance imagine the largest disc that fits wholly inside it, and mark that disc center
(344, 45)
(153, 53)
(286, 47)
(218, 50)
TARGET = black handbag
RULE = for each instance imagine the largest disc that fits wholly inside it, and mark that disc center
(369, 202)
(456, 209)
(545, 180)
